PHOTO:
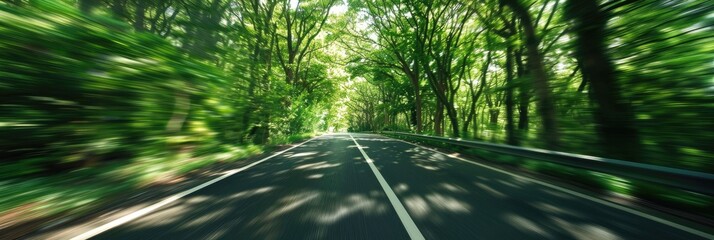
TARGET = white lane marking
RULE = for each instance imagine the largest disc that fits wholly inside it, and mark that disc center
(153, 207)
(581, 195)
(407, 221)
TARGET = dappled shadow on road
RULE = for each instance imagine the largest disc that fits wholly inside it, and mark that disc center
(321, 190)
(325, 190)
(452, 199)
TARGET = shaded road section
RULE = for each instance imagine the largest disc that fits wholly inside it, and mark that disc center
(325, 189)
(320, 190)
(453, 199)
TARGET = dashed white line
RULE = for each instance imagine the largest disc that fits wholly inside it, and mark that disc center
(581, 195)
(153, 207)
(407, 221)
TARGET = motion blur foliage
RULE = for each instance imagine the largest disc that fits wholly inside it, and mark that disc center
(664, 55)
(79, 90)
(629, 80)
(100, 98)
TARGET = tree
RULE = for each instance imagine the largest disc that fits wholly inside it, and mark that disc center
(397, 37)
(302, 23)
(546, 107)
(441, 32)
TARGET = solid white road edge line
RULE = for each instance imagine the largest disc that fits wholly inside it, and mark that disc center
(407, 221)
(581, 195)
(153, 207)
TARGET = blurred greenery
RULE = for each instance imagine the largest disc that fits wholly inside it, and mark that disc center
(78, 91)
(100, 97)
(93, 106)
(629, 80)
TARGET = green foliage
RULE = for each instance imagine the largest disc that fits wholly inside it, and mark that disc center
(77, 90)
(86, 96)
(149, 89)
(651, 61)
(663, 53)
(659, 52)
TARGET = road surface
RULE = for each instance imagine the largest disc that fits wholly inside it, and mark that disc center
(364, 186)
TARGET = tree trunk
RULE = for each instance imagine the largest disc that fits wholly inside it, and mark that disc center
(252, 85)
(411, 117)
(546, 107)
(140, 16)
(418, 103)
(438, 119)
(493, 116)
(614, 117)
(483, 120)
(523, 95)
(472, 111)
(510, 135)
(475, 97)
(454, 120)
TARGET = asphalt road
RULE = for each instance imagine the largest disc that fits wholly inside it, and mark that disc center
(328, 189)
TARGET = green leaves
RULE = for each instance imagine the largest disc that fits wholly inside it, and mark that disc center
(80, 88)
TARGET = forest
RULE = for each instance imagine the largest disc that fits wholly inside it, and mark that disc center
(129, 92)
(623, 79)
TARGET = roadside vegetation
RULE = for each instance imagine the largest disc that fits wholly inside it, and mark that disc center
(95, 107)
(627, 80)
(103, 97)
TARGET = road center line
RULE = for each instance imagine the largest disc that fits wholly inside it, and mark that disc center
(153, 207)
(572, 192)
(407, 221)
